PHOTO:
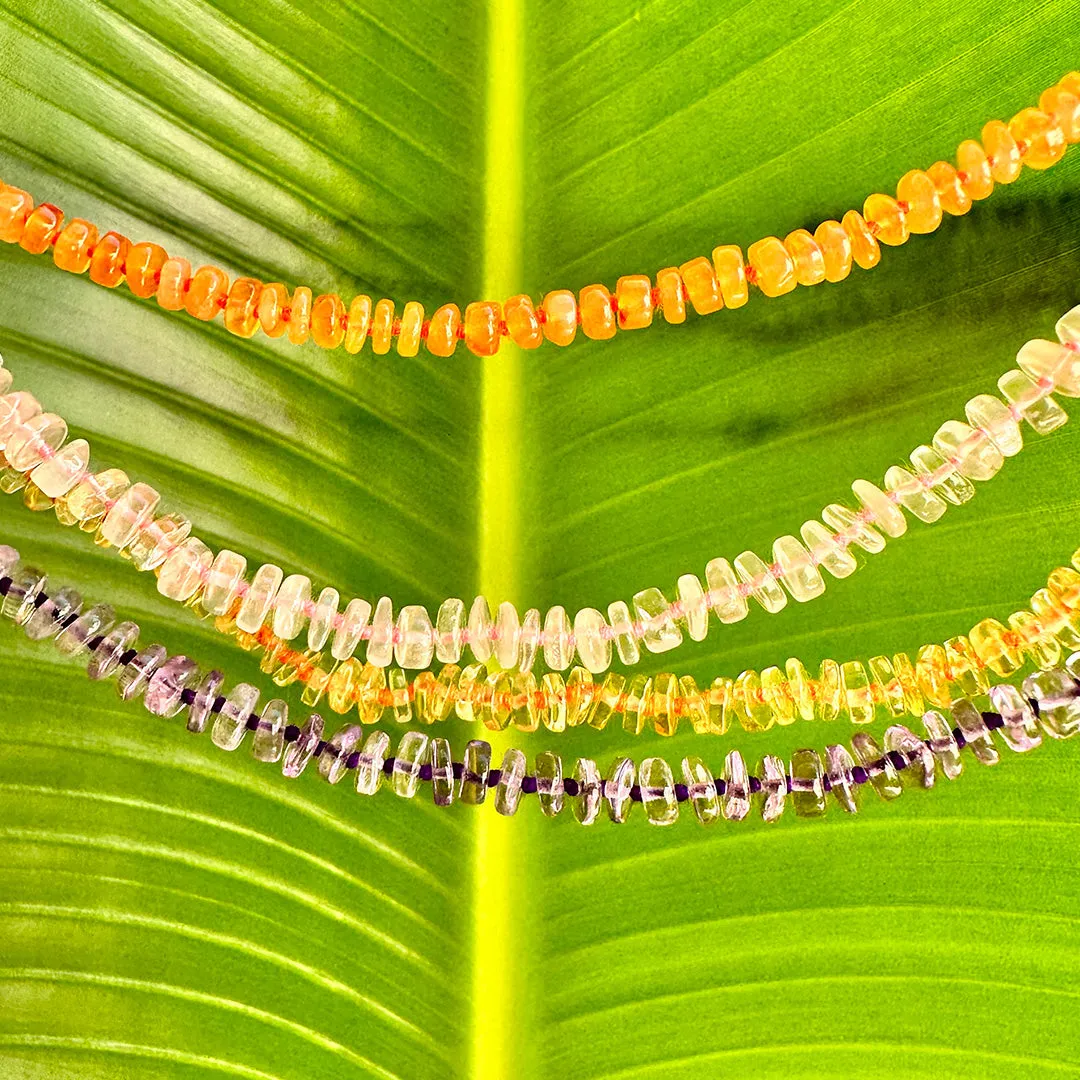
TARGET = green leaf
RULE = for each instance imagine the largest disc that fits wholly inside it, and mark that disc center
(167, 911)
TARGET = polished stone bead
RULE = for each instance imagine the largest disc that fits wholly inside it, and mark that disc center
(508, 789)
(902, 740)
(725, 597)
(415, 644)
(943, 744)
(380, 649)
(131, 511)
(829, 703)
(526, 715)
(637, 703)
(838, 770)
(751, 707)
(397, 683)
(701, 788)
(223, 582)
(881, 771)
(158, 540)
(529, 640)
(658, 792)
(476, 765)
(774, 792)
(660, 632)
(35, 440)
(348, 634)
(1020, 730)
(807, 784)
(480, 630)
(932, 672)
(1039, 645)
(333, 761)
(58, 474)
(722, 707)
(976, 734)
(259, 598)
(507, 635)
(290, 606)
(846, 522)
(369, 769)
(164, 691)
(412, 754)
(662, 704)
(46, 620)
(26, 582)
(549, 782)
(885, 513)
(777, 694)
(135, 674)
(825, 551)
(989, 413)
(858, 699)
(693, 705)
(800, 689)
(181, 575)
(269, 741)
(764, 587)
(892, 692)
(735, 801)
(579, 693)
(1033, 403)
(105, 659)
(798, 572)
(299, 753)
(995, 647)
(593, 647)
(969, 449)
(602, 707)
(1058, 699)
(230, 725)
(322, 618)
(919, 501)
(442, 773)
(586, 803)
(554, 713)
(558, 644)
(618, 782)
(964, 669)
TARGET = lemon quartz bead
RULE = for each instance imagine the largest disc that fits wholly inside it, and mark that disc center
(759, 578)
(634, 298)
(442, 335)
(825, 551)
(884, 213)
(864, 246)
(131, 511)
(382, 327)
(108, 259)
(885, 679)
(223, 582)
(1036, 643)
(920, 501)
(692, 706)
(662, 706)
(1039, 138)
(932, 674)
(730, 274)
(952, 195)
(720, 699)
(327, 320)
(522, 323)
(702, 287)
(272, 306)
(89, 500)
(1064, 585)
(798, 572)
(597, 315)
(835, 244)
(560, 317)
(973, 169)
(725, 597)
(603, 703)
(917, 193)
(777, 695)
(290, 606)
(964, 667)
(774, 268)
(1001, 151)
(74, 245)
(807, 256)
(482, 327)
(750, 705)
(996, 647)
(579, 692)
(800, 688)
(1064, 106)
(636, 705)
(904, 671)
(858, 698)
(412, 324)
(669, 284)
(660, 632)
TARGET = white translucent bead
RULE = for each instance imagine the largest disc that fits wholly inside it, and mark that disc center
(1067, 327)
(971, 451)
(16, 409)
(764, 587)
(230, 725)
(183, 571)
(480, 630)
(507, 635)
(943, 476)
(657, 787)
(322, 618)
(701, 790)
(411, 755)
(1054, 361)
(623, 628)
(826, 551)
(842, 520)
(799, 574)
(259, 598)
(35, 440)
(1034, 404)
(920, 501)
(993, 416)
(369, 769)
(725, 598)
(558, 650)
(380, 650)
(415, 643)
(449, 627)
(904, 741)
(529, 640)
(5, 378)
(292, 598)
(654, 613)
(976, 734)
(59, 474)
(593, 648)
(129, 514)
(353, 621)
(736, 798)
(1019, 730)
(695, 606)
(887, 516)
(223, 582)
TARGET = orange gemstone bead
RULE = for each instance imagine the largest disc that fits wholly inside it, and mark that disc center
(107, 264)
(442, 335)
(359, 322)
(773, 266)
(412, 322)
(42, 227)
(1040, 136)
(864, 248)
(300, 315)
(173, 281)
(597, 316)
(1002, 152)
(207, 294)
(835, 246)
(75, 245)
(242, 307)
(143, 264)
(916, 190)
(1064, 106)
(974, 170)
(273, 300)
(884, 212)
(633, 293)
(672, 302)
(954, 199)
(328, 321)
(730, 273)
(807, 256)
(699, 277)
(1071, 82)
(560, 316)
(382, 327)
(15, 208)
(481, 322)
(522, 322)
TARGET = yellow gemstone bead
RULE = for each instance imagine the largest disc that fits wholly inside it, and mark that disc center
(892, 693)
(669, 282)
(909, 684)
(884, 212)
(1064, 584)
(316, 687)
(953, 197)
(463, 698)
(560, 317)
(774, 268)
(858, 699)
(359, 319)
(442, 335)
(498, 707)
(693, 705)
(1039, 137)
(1001, 151)
(273, 301)
(964, 667)
(370, 685)
(1035, 642)
(996, 647)
(829, 699)
(835, 246)
(778, 696)
(382, 327)
(730, 274)
(634, 296)
(699, 277)
(603, 703)
(802, 691)
(554, 714)
(300, 315)
(917, 192)
(422, 687)
(1064, 106)
(398, 684)
(636, 706)
(753, 711)
(864, 248)
(341, 688)
(973, 170)
(597, 317)
(483, 333)
(807, 255)
(579, 693)
(664, 691)
(412, 321)
(1056, 618)
(932, 674)
(721, 703)
(327, 321)
(526, 716)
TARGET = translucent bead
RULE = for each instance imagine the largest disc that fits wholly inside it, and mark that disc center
(774, 268)
(58, 474)
(1055, 694)
(16, 409)
(721, 702)
(735, 801)
(136, 673)
(476, 765)
(369, 768)
(230, 724)
(334, 759)
(41, 229)
(662, 704)
(46, 619)
(586, 803)
(207, 292)
(858, 699)
(481, 324)
(882, 674)
(695, 608)
(298, 754)
(555, 712)
(579, 691)
(549, 782)
(633, 294)
(380, 650)
(131, 511)
(593, 647)
(919, 501)
(923, 214)
(158, 540)
(398, 684)
(1036, 406)
(353, 621)
(800, 689)
(507, 635)
(1064, 585)
(1064, 106)
(1038, 644)
(412, 754)
(920, 770)
(970, 450)
(838, 769)
(753, 711)
(864, 248)
(659, 631)
(322, 618)
(26, 582)
(269, 742)
(604, 702)
(415, 644)
(182, 573)
(290, 606)
(223, 582)
(963, 667)
(725, 597)
(497, 705)
(976, 734)
(529, 640)
(597, 316)
(702, 288)
(825, 551)
(989, 413)
(1042, 361)
(508, 789)
(953, 196)
(1056, 618)
(442, 336)
(242, 307)
(830, 691)
(299, 315)
(522, 323)
(994, 647)
(669, 284)
(943, 477)
(880, 770)
(798, 572)
(1067, 327)
(480, 627)
(884, 512)
(977, 179)
(807, 784)
(164, 691)
(777, 695)
(932, 672)
(442, 773)
(832, 239)
(558, 648)
(466, 689)
(1039, 137)
(884, 212)
(657, 787)
(731, 275)
(807, 256)
(763, 586)
(1001, 151)
(259, 598)
(693, 705)
(774, 792)
(560, 317)
(617, 785)
(205, 695)
(701, 789)
(847, 523)
(943, 744)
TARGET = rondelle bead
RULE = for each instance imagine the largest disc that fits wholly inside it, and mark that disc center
(1039, 137)
(617, 785)
(259, 598)
(774, 791)
(242, 307)
(442, 773)
(74, 245)
(182, 573)
(920, 768)
(807, 256)
(1033, 403)
(953, 197)
(142, 267)
(348, 634)
(201, 708)
(695, 606)
(798, 573)
(549, 783)
(597, 316)
(825, 551)
(1064, 106)
(411, 756)
(764, 587)
(476, 764)
(1051, 360)
(702, 286)
(634, 298)
(135, 674)
(884, 212)
(730, 273)
(15, 410)
(480, 629)
(415, 644)
(75, 638)
(1056, 696)
(297, 754)
(829, 702)
(481, 324)
(774, 268)
(42, 226)
(974, 170)
(334, 759)
(800, 688)
(864, 247)
(969, 449)
(508, 789)
(989, 413)
(593, 648)
(701, 790)
(920, 501)
(35, 440)
(735, 801)
(976, 733)
(269, 741)
(560, 317)
(506, 637)
(839, 767)
(164, 691)
(522, 323)
(662, 704)
(1019, 730)
(858, 699)
(359, 322)
(272, 306)
(299, 315)
(669, 284)
(943, 744)
(105, 659)
(807, 784)
(725, 596)
(47, 619)
(891, 692)
(657, 787)
(835, 244)
(885, 514)
(916, 190)
(230, 725)
(1001, 151)
(15, 207)
(207, 294)
(942, 476)
(131, 511)
(994, 647)
(778, 696)
(380, 650)
(623, 628)
(558, 648)
(223, 582)
(659, 631)
(412, 325)
(754, 712)
(882, 773)
(369, 768)
(847, 523)
(328, 321)
(290, 606)
(174, 280)
(586, 803)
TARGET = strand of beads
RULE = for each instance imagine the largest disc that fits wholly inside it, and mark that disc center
(168, 685)
(1036, 137)
(126, 516)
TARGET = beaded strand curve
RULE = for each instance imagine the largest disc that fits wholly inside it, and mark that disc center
(1036, 137)
(1049, 704)
(125, 515)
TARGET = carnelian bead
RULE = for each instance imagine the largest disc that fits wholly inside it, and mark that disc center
(1041, 137)
(917, 190)
(42, 226)
(953, 197)
(107, 264)
(835, 246)
(74, 246)
(635, 299)
(699, 277)
(482, 320)
(727, 261)
(242, 307)
(522, 323)
(273, 300)
(442, 335)
(15, 208)
(382, 327)
(1071, 82)
(359, 321)
(597, 315)
(884, 212)
(773, 266)
(1064, 106)
(209, 287)
(173, 281)
(300, 315)
(864, 248)
(412, 322)
(1002, 151)
(144, 262)
(669, 282)
(973, 169)
(560, 316)
(328, 321)
(807, 256)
